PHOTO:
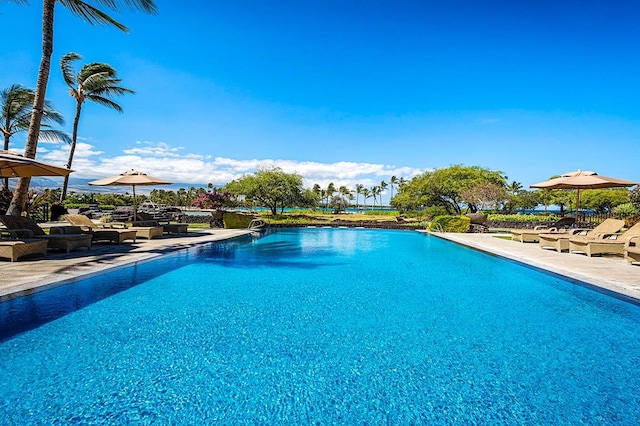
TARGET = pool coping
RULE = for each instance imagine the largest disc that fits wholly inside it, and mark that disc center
(29, 275)
(611, 275)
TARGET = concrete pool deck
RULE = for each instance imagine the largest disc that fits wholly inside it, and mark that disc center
(33, 273)
(36, 273)
(609, 273)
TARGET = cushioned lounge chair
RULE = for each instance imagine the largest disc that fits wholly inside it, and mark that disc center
(112, 232)
(603, 243)
(167, 226)
(632, 250)
(533, 235)
(560, 241)
(28, 228)
(15, 249)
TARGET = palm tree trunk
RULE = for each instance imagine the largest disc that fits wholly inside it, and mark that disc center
(20, 195)
(72, 150)
(7, 139)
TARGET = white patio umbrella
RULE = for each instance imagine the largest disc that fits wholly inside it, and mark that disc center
(582, 179)
(131, 178)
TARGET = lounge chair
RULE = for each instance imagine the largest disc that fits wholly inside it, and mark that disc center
(632, 250)
(167, 227)
(603, 243)
(15, 249)
(533, 235)
(560, 241)
(28, 228)
(112, 232)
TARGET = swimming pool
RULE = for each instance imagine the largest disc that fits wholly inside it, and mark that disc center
(327, 326)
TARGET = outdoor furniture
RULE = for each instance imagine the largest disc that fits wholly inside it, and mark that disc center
(167, 227)
(28, 228)
(533, 235)
(15, 249)
(603, 243)
(632, 250)
(560, 241)
(112, 232)
(147, 232)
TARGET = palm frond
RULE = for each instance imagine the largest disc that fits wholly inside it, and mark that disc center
(50, 115)
(105, 102)
(147, 6)
(110, 91)
(66, 65)
(53, 135)
(94, 68)
(92, 15)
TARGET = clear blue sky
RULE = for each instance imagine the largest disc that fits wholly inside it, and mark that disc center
(349, 91)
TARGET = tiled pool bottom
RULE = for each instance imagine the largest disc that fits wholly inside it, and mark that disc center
(330, 327)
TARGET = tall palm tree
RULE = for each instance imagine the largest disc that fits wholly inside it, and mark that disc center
(383, 186)
(344, 192)
(331, 189)
(392, 184)
(16, 103)
(366, 193)
(89, 14)
(95, 82)
(359, 188)
(375, 190)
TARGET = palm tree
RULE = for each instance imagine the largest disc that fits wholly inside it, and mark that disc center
(392, 183)
(383, 186)
(16, 103)
(89, 14)
(514, 187)
(95, 82)
(331, 189)
(359, 188)
(344, 192)
(375, 190)
(365, 194)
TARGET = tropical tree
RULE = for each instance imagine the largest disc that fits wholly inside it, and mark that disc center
(344, 193)
(96, 82)
(271, 187)
(443, 187)
(383, 186)
(90, 14)
(366, 193)
(359, 188)
(392, 184)
(16, 103)
(331, 189)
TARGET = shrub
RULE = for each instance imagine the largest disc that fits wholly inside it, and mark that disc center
(625, 210)
(523, 217)
(450, 224)
(634, 197)
(233, 220)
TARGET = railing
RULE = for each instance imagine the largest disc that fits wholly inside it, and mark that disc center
(256, 223)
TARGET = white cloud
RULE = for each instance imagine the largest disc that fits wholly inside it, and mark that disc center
(171, 163)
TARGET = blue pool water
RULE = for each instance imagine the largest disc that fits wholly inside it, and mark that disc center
(323, 326)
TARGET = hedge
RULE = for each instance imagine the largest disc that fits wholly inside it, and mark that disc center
(450, 224)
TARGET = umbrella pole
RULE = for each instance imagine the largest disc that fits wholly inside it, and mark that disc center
(577, 204)
(134, 204)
